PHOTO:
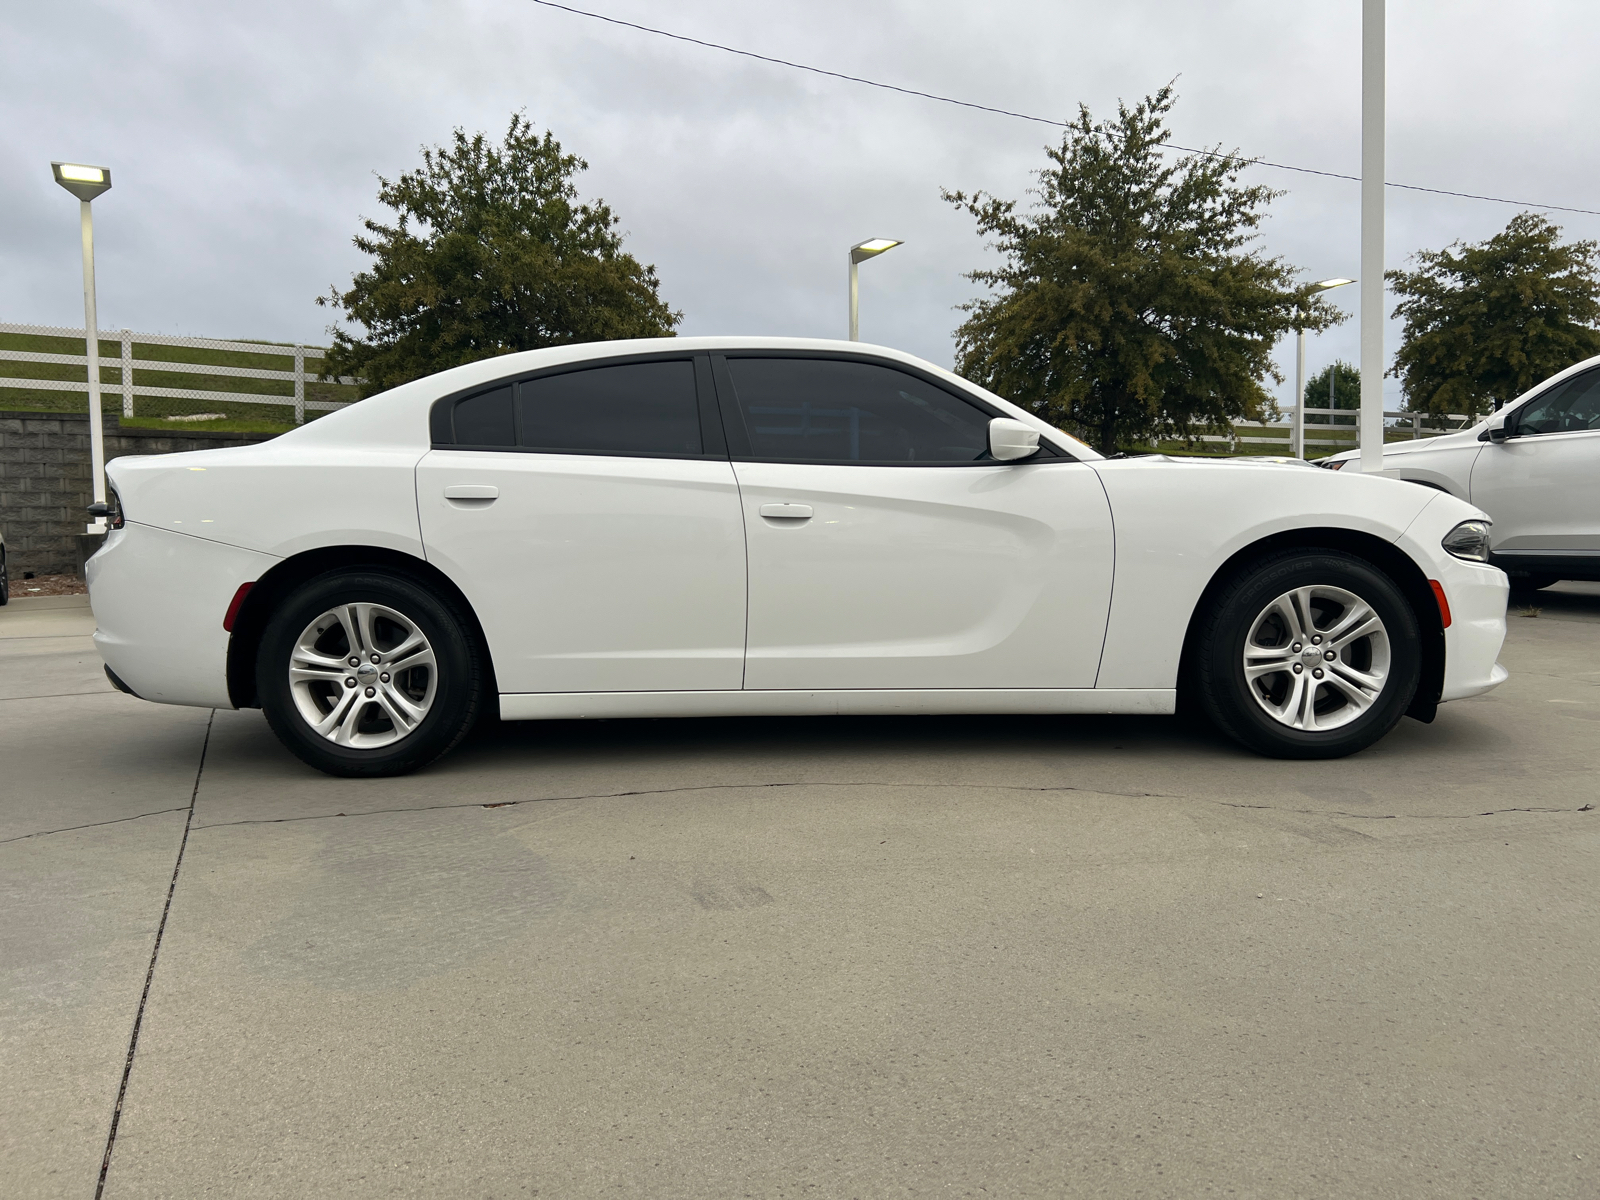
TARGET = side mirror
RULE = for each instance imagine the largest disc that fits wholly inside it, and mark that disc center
(1498, 433)
(1010, 440)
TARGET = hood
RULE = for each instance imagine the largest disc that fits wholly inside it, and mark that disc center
(1393, 449)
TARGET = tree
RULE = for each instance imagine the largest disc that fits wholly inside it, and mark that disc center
(489, 253)
(1346, 381)
(1486, 322)
(1129, 306)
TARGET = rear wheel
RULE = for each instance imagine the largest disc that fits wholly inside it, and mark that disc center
(367, 673)
(1308, 655)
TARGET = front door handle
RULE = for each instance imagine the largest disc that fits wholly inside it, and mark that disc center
(787, 512)
(471, 491)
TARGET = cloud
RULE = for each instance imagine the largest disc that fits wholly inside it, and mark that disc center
(245, 139)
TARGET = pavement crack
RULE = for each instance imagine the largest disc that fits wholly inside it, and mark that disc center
(1336, 812)
(1007, 787)
(150, 972)
(704, 787)
(22, 837)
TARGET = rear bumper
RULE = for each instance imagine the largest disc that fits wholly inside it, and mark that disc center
(159, 599)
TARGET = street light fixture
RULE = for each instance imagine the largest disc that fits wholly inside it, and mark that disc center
(1297, 436)
(86, 182)
(859, 253)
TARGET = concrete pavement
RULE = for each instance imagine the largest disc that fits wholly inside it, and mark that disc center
(835, 957)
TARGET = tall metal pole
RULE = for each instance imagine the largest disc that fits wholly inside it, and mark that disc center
(855, 302)
(91, 331)
(1372, 166)
(1298, 435)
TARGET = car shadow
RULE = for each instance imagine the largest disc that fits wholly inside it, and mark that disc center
(1580, 599)
(882, 746)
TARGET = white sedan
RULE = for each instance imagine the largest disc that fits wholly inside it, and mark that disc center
(1534, 467)
(700, 526)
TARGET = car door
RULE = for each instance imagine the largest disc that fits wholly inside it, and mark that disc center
(886, 550)
(1541, 485)
(592, 519)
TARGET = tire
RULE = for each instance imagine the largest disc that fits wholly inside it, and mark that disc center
(377, 722)
(5, 581)
(1255, 624)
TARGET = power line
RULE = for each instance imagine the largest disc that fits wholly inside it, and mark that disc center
(1021, 116)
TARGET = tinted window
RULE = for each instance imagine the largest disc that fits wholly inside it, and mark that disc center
(816, 410)
(485, 419)
(1568, 407)
(633, 408)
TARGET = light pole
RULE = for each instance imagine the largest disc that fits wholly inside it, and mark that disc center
(1372, 164)
(859, 253)
(1297, 436)
(86, 183)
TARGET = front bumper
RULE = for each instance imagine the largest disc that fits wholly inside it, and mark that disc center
(1477, 595)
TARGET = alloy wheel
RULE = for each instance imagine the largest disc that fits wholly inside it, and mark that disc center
(1317, 658)
(363, 675)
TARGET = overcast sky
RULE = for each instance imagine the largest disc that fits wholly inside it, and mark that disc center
(245, 139)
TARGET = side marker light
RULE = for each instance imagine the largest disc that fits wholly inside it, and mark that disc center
(1444, 605)
(237, 603)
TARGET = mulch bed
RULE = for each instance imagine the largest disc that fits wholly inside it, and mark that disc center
(47, 585)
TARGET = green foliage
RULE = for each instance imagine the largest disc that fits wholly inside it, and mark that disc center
(1346, 386)
(1129, 308)
(1486, 322)
(490, 253)
(1346, 391)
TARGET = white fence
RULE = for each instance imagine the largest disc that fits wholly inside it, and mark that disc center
(295, 360)
(1331, 437)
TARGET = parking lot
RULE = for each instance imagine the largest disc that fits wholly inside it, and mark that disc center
(834, 957)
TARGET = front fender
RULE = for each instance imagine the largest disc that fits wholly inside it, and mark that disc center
(1177, 524)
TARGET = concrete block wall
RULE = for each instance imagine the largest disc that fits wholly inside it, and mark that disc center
(45, 482)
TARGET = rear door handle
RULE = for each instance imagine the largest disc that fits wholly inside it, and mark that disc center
(471, 491)
(786, 512)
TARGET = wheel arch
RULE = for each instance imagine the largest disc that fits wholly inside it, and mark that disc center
(1435, 484)
(1387, 557)
(282, 580)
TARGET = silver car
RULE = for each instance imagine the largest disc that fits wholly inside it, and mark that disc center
(1534, 467)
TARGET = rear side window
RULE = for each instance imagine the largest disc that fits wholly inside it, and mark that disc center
(822, 410)
(634, 408)
(485, 419)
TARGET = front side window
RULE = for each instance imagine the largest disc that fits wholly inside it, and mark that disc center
(632, 408)
(1569, 407)
(826, 410)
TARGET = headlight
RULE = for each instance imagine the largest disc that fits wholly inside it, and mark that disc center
(1468, 540)
(1332, 466)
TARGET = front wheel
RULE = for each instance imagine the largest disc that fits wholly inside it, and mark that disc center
(1308, 655)
(367, 673)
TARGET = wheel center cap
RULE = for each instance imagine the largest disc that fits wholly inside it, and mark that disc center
(1310, 655)
(366, 671)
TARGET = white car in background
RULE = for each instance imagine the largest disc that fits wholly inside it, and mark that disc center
(702, 526)
(1534, 467)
